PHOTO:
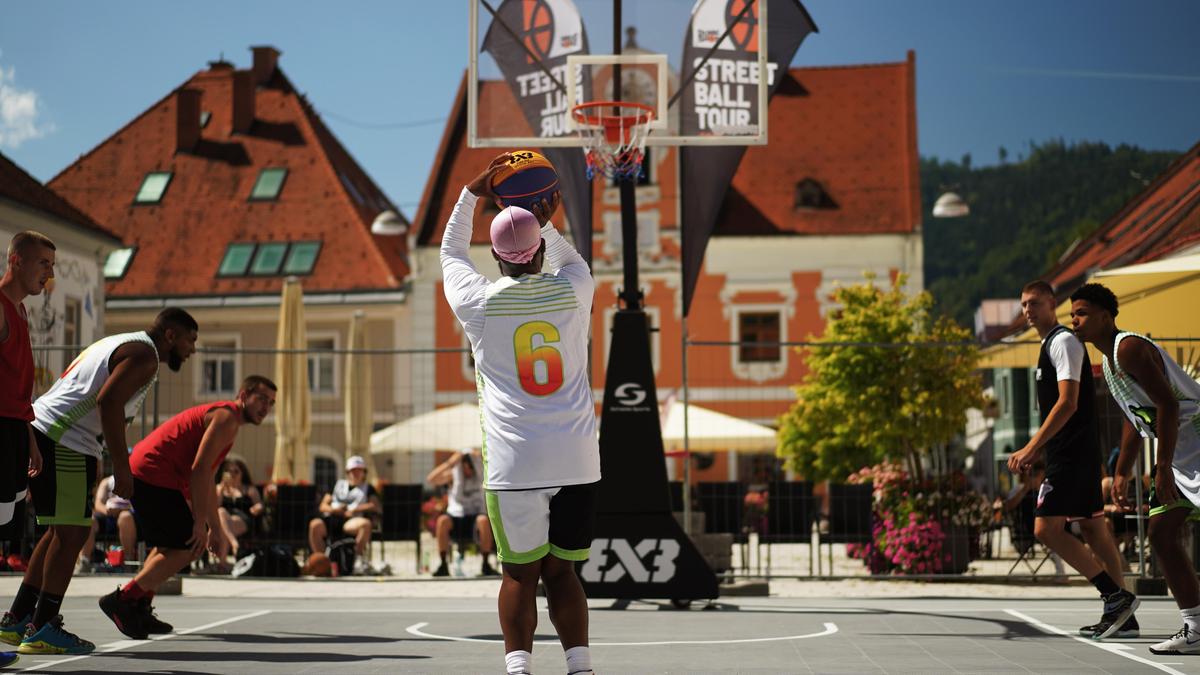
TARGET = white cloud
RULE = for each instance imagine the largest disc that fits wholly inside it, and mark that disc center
(20, 110)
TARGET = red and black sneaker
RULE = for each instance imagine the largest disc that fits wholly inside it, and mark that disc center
(126, 614)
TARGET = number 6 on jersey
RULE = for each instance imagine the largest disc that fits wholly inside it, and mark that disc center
(529, 355)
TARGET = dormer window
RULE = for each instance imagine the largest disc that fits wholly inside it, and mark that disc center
(154, 185)
(811, 195)
(268, 185)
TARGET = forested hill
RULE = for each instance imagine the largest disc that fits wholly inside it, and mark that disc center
(1024, 215)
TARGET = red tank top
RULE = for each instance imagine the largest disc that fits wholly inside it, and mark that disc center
(16, 362)
(165, 457)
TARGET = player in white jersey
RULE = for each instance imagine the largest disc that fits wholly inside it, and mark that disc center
(1160, 401)
(83, 414)
(529, 336)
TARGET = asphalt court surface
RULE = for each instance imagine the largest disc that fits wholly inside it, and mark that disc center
(744, 635)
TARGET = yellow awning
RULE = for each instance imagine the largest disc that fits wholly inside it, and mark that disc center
(1157, 299)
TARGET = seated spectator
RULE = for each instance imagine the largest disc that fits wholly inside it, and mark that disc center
(110, 515)
(465, 518)
(240, 506)
(349, 511)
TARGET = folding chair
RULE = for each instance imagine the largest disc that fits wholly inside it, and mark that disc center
(1020, 527)
(294, 506)
(850, 518)
(791, 511)
(402, 516)
(723, 505)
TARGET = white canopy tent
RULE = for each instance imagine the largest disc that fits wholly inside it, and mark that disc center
(449, 428)
(711, 431)
(458, 427)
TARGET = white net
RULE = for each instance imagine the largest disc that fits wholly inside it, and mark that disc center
(614, 137)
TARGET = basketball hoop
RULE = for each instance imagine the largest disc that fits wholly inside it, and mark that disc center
(614, 136)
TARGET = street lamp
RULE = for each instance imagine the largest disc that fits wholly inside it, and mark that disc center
(950, 205)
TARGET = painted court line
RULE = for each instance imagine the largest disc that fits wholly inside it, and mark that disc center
(1112, 648)
(830, 629)
(125, 644)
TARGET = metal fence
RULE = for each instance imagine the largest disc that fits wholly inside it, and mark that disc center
(776, 523)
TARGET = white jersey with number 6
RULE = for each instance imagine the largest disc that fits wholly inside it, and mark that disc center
(529, 337)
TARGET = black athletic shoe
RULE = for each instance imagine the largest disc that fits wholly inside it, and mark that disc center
(150, 621)
(487, 570)
(1131, 629)
(442, 570)
(1118, 607)
(126, 614)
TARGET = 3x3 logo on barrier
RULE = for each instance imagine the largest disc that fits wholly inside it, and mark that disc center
(650, 561)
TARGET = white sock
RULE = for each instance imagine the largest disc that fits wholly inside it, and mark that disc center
(519, 661)
(579, 660)
(1191, 618)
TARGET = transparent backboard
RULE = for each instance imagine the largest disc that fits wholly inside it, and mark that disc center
(701, 65)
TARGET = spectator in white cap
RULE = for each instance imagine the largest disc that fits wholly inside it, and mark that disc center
(349, 511)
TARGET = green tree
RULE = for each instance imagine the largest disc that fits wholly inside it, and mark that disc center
(887, 380)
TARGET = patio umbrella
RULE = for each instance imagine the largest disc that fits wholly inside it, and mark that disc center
(443, 429)
(359, 406)
(293, 410)
(709, 431)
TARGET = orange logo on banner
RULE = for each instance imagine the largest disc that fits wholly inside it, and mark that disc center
(745, 32)
(537, 21)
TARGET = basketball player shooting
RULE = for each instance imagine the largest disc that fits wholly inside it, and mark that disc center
(529, 336)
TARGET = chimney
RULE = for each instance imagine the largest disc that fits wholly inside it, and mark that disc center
(187, 119)
(266, 60)
(243, 101)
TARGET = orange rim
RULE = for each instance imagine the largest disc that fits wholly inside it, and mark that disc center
(584, 115)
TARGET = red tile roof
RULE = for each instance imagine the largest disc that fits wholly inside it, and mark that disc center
(455, 164)
(1162, 219)
(24, 189)
(181, 240)
(852, 129)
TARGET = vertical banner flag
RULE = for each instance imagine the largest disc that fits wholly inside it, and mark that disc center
(721, 100)
(530, 41)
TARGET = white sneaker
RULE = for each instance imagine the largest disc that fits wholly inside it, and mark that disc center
(83, 566)
(360, 566)
(1186, 641)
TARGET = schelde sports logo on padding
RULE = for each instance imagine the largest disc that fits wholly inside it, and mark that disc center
(630, 396)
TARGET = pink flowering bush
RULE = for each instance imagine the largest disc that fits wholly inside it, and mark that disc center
(910, 515)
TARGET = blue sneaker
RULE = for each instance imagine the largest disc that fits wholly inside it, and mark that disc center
(8, 658)
(54, 639)
(12, 631)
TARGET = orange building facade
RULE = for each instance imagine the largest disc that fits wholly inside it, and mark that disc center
(833, 195)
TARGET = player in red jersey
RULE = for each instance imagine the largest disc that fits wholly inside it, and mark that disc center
(173, 497)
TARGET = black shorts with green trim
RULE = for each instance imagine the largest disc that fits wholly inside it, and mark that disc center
(62, 492)
(529, 524)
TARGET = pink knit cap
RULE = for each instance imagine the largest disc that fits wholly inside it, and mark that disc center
(516, 235)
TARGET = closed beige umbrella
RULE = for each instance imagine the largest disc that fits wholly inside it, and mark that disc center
(293, 409)
(359, 406)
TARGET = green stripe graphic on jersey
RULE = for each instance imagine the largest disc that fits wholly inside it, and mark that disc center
(61, 425)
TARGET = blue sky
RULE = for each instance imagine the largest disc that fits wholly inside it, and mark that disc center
(384, 73)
